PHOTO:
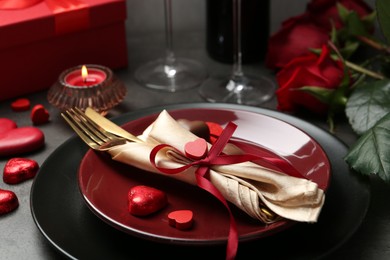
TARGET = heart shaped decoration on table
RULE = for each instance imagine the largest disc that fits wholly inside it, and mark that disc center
(196, 149)
(21, 104)
(6, 125)
(144, 200)
(14, 140)
(39, 115)
(181, 219)
(8, 201)
(17, 170)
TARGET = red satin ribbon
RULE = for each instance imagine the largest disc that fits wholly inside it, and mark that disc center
(56, 5)
(215, 157)
(17, 4)
(69, 15)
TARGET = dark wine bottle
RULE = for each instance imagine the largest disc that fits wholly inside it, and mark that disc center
(254, 30)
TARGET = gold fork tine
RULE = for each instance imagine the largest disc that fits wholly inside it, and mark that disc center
(108, 126)
(92, 128)
(108, 138)
(96, 137)
(75, 126)
(89, 132)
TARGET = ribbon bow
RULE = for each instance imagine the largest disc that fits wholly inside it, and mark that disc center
(216, 157)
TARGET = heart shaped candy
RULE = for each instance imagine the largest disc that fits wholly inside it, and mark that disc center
(14, 140)
(181, 219)
(8, 201)
(39, 115)
(196, 149)
(144, 200)
(21, 104)
(17, 170)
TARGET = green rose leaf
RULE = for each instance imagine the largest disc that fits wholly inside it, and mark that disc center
(368, 103)
(355, 25)
(383, 13)
(371, 153)
(343, 12)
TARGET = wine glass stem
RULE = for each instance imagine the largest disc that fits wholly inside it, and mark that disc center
(237, 67)
(169, 56)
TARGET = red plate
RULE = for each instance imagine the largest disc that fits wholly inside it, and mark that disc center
(104, 183)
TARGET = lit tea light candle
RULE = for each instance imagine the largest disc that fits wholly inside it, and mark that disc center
(85, 76)
(88, 85)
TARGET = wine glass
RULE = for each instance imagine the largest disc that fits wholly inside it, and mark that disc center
(238, 87)
(170, 73)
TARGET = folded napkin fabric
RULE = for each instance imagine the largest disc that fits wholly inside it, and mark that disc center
(247, 185)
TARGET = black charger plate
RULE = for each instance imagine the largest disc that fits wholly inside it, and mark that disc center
(62, 216)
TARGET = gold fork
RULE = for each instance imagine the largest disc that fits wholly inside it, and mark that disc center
(108, 126)
(94, 136)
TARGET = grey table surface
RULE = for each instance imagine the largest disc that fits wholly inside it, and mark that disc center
(20, 237)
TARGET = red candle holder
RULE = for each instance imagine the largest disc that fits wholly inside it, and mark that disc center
(99, 89)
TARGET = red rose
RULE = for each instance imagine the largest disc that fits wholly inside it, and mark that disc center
(322, 12)
(297, 35)
(309, 70)
(308, 30)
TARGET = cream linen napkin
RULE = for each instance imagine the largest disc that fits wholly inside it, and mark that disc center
(246, 185)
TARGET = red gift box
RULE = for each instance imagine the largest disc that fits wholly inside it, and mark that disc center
(38, 42)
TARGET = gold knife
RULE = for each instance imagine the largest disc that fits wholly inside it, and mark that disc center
(109, 126)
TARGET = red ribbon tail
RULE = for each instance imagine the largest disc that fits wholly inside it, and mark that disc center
(204, 183)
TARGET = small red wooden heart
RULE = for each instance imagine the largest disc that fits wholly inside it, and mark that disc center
(14, 140)
(21, 104)
(196, 149)
(17, 170)
(39, 115)
(181, 219)
(8, 201)
(144, 200)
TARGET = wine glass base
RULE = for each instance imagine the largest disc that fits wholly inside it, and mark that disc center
(248, 90)
(182, 75)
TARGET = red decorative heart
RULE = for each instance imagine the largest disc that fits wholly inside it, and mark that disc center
(17, 170)
(8, 201)
(6, 125)
(196, 149)
(144, 200)
(21, 104)
(181, 219)
(14, 140)
(39, 115)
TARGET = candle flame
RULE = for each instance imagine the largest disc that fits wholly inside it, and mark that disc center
(84, 73)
